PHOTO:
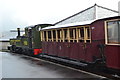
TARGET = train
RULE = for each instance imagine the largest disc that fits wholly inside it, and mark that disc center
(28, 43)
(94, 42)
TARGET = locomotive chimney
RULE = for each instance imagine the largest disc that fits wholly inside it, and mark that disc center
(18, 29)
(119, 8)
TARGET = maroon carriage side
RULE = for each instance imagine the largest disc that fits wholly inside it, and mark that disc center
(84, 42)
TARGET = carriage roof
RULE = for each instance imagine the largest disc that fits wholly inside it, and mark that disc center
(68, 25)
(78, 23)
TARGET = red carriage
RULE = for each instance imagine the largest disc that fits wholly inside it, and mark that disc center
(96, 41)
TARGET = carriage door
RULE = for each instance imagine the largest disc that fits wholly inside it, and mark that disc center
(112, 50)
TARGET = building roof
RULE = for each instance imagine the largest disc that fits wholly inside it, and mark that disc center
(91, 13)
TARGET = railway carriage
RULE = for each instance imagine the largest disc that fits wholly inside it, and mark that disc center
(91, 42)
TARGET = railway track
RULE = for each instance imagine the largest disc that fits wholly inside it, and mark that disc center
(101, 74)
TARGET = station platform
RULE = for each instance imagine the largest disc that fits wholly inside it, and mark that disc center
(18, 66)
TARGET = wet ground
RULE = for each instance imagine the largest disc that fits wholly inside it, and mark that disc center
(18, 66)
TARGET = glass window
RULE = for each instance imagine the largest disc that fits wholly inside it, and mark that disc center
(81, 33)
(88, 32)
(113, 29)
(73, 33)
(65, 33)
(54, 34)
(45, 35)
(49, 35)
(119, 32)
(58, 32)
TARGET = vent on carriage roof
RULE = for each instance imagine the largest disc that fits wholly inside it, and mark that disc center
(91, 13)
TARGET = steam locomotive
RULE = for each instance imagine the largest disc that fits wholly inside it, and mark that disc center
(29, 43)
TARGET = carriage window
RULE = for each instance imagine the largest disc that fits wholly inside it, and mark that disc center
(44, 34)
(81, 33)
(84, 34)
(59, 35)
(54, 35)
(58, 32)
(113, 32)
(87, 32)
(49, 36)
(72, 33)
(119, 31)
(65, 35)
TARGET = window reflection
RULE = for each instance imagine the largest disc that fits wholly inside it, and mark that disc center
(119, 33)
(113, 31)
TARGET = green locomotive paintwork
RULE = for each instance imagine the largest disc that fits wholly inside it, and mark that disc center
(29, 41)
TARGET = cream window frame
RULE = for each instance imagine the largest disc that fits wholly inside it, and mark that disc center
(76, 34)
(85, 38)
(106, 32)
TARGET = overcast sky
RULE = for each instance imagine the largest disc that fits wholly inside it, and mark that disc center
(21, 13)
